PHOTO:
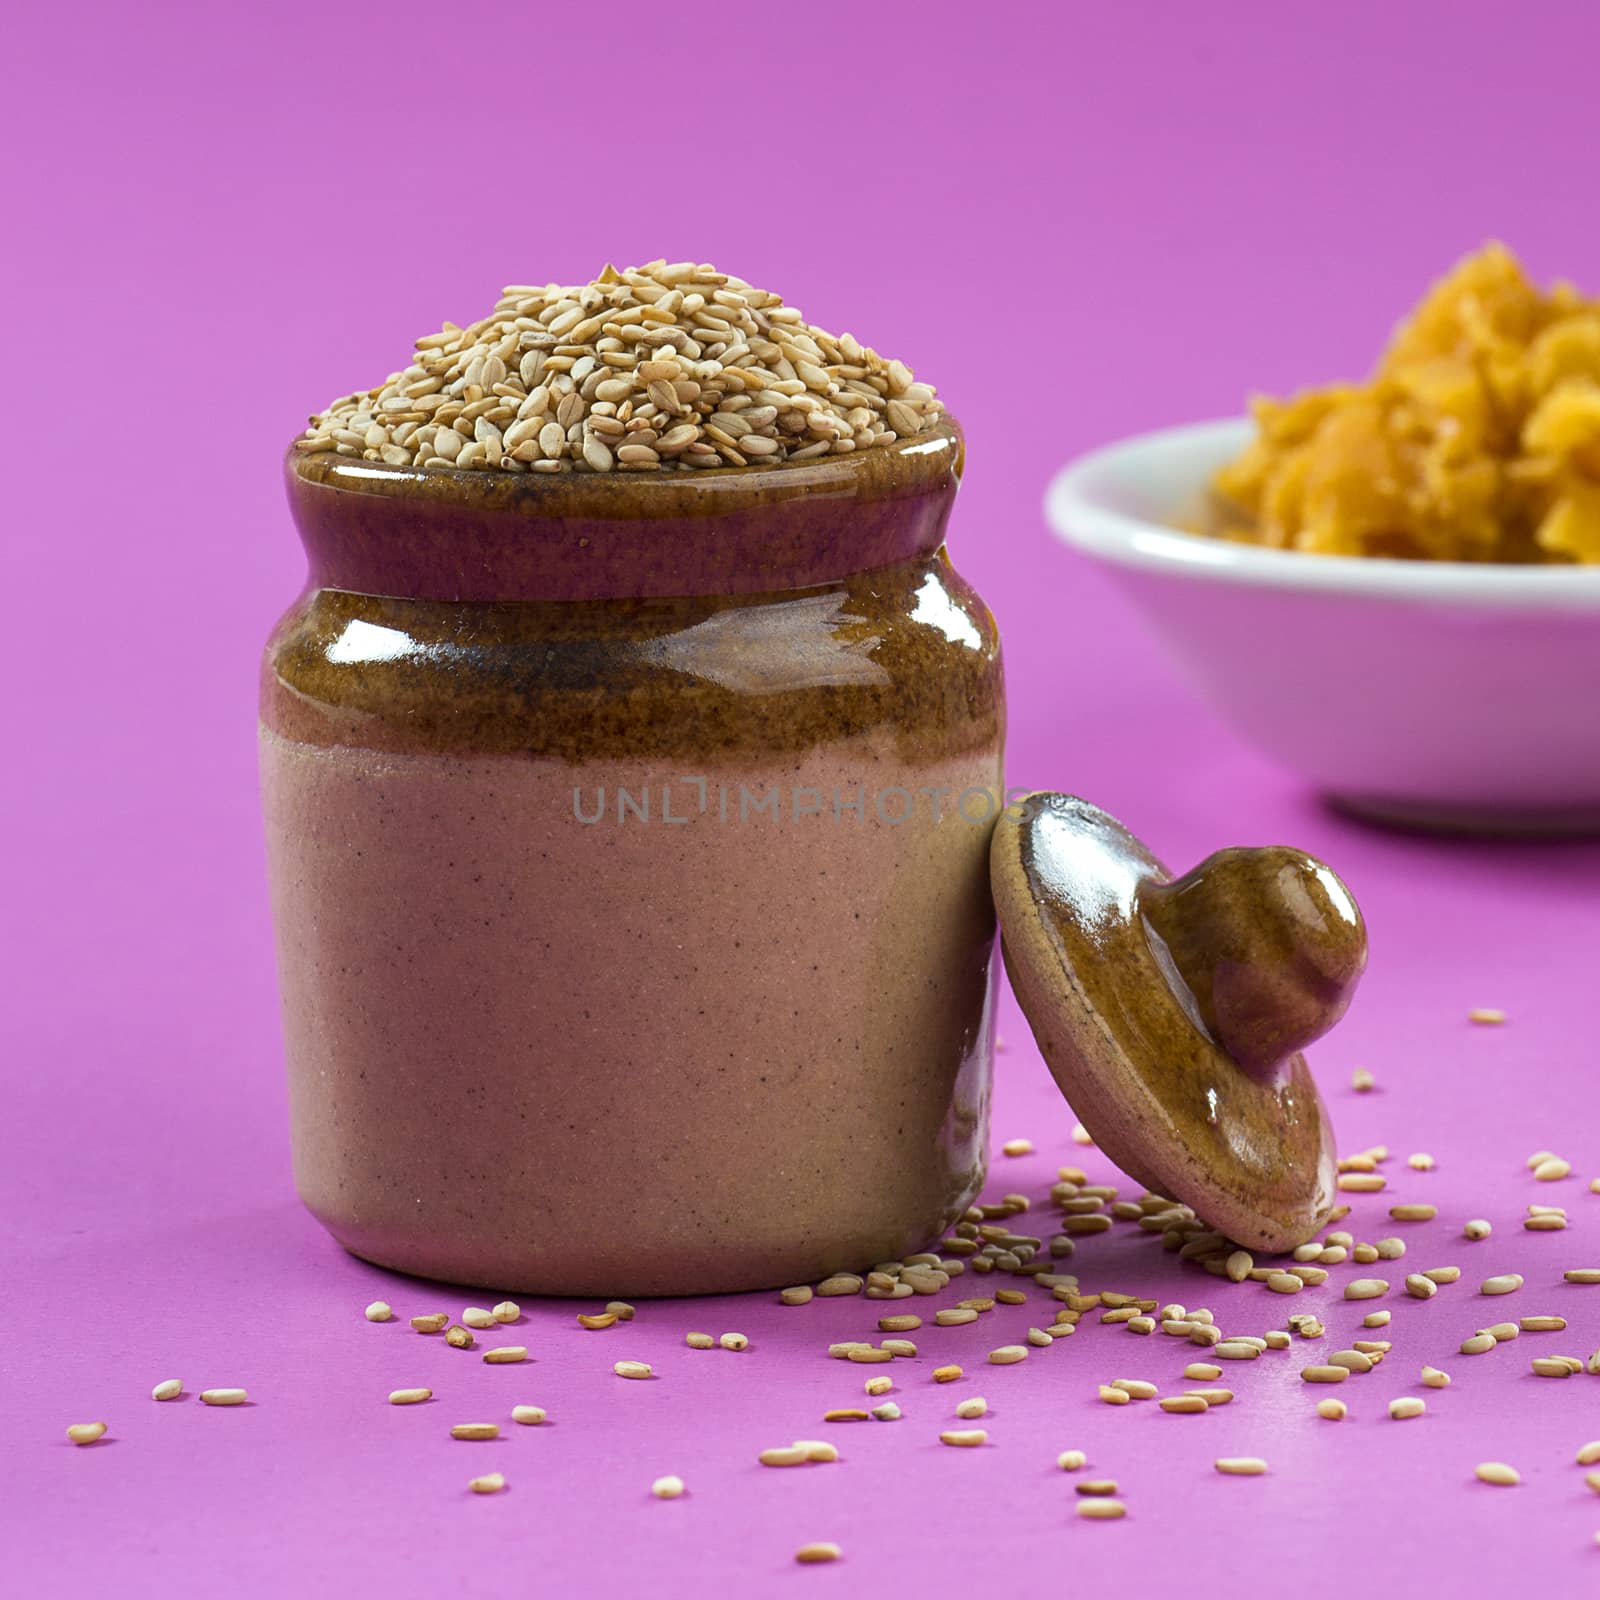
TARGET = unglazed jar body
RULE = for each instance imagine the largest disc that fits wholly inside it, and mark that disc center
(628, 852)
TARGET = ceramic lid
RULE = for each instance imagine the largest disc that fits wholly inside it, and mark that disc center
(1172, 1011)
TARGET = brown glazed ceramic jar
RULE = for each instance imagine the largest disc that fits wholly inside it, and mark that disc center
(628, 846)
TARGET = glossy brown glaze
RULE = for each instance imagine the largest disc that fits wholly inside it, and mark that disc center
(572, 1004)
(1136, 985)
(447, 535)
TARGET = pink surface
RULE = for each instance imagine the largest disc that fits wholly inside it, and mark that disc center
(220, 218)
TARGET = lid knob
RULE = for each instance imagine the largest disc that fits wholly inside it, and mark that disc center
(1269, 943)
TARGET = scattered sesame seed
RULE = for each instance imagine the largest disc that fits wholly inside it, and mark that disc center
(1008, 1355)
(799, 1295)
(1486, 1016)
(1332, 1410)
(964, 1438)
(1497, 1472)
(379, 1311)
(1366, 1288)
(1362, 1182)
(1098, 1509)
(1433, 1378)
(1324, 1374)
(845, 1414)
(86, 1432)
(1114, 1396)
(1075, 1460)
(1017, 1147)
(506, 1355)
(489, 1483)
(1241, 1466)
(1582, 1274)
(1542, 1324)
(409, 1397)
(458, 1337)
(1553, 1169)
(223, 1397)
(618, 1308)
(633, 1369)
(433, 1322)
(1413, 1213)
(477, 1317)
(597, 1320)
(528, 1416)
(970, 1410)
(1504, 1283)
(1362, 1081)
(167, 1389)
(1184, 1404)
(699, 1341)
(887, 1412)
(819, 1550)
(1421, 1161)
(946, 1374)
(509, 1311)
(734, 1341)
(475, 1430)
(1478, 1228)
(1406, 1407)
(1589, 1454)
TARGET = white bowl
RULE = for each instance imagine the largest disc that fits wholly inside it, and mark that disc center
(1436, 693)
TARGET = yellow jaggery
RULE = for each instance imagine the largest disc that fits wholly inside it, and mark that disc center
(1476, 439)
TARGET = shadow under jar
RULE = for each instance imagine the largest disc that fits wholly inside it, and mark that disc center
(628, 848)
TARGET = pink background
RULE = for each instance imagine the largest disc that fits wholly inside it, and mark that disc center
(1079, 221)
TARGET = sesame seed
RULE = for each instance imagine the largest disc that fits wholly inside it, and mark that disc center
(458, 1337)
(1505, 1283)
(86, 1432)
(1096, 1508)
(1420, 1287)
(1413, 1213)
(595, 1321)
(1241, 1466)
(1552, 1169)
(701, 1341)
(1017, 1147)
(488, 1483)
(1542, 1324)
(900, 1324)
(1135, 1388)
(167, 1389)
(667, 1488)
(1114, 1396)
(1406, 1407)
(841, 1283)
(799, 1295)
(433, 1322)
(819, 1550)
(1332, 1410)
(1184, 1404)
(506, 1355)
(1202, 1371)
(618, 1308)
(1235, 1350)
(1500, 1332)
(887, 1412)
(633, 1369)
(1589, 1454)
(1008, 1355)
(1582, 1274)
(1362, 1081)
(734, 1341)
(964, 1438)
(223, 1397)
(409, 1397)
(1365, 1288)
(1421, 1161)
(1553, 1367)
(1324, 1374)
(1497, 1472)
(1478, 1228)
(1433, 1378)
(1362, 1182)
(1486, 1016)
(477, 1317)
(528, 1416)
(784, 1456)
(475, 1430)
(946, 1374)
(969, 1410)
(509, 1311)
(1074, 1460)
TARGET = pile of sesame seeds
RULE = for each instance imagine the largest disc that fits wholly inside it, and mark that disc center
(665, 367)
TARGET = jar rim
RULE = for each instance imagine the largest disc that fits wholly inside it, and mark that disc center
(446, 534)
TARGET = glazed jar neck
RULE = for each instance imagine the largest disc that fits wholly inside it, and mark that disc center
(488, 536)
